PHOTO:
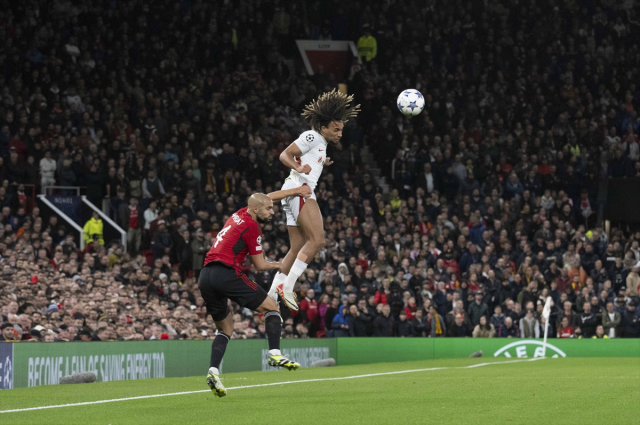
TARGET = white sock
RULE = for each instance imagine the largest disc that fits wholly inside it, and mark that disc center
(275, 352)
(214, 370)
(277, 280)
(296, 270)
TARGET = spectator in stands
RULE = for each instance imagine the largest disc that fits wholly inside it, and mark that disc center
(587, 321)
(162, 241)
(631, 322)
(309, 311)
(611, 321)
(360, 322)
(633, 282)
(199, 248)
(600, 333)
(9, 333)
(477, 309)
(130, 219)
(565, 330)
(420, 324)
(340, 323)
(508, 330)
(404, 327)
(384, 324)
(330, 313)
(459, 329)
(152, 187)
(497, 319)
(484, 329)
(47, 171)
(568, 313)
(501, 197)
(436, 323)
(102, 334)
(457, 310)
(529, 326)
(367, 44)
(92, 228)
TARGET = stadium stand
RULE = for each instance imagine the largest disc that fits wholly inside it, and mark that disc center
(458, 222)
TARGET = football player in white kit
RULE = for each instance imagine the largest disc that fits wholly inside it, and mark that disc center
(306, 157)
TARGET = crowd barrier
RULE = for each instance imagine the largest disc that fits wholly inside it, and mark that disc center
(35, 364)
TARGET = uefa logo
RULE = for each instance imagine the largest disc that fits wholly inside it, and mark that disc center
(529, 348)
(6, 373)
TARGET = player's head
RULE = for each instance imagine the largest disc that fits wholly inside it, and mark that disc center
(329, 112)
(260, 206)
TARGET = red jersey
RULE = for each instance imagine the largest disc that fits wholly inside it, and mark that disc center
(451, 285)
(565, 332)
(311, 308)
(473, 286)
(381, 297)
(364, 264)
(453, 264)
(240, 236)
(425, 228)
(133, 218)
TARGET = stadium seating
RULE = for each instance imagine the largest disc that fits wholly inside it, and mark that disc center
(487, 199)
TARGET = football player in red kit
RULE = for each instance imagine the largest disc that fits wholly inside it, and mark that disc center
(222, 279)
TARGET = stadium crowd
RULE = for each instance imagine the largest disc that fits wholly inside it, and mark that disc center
(175, 111)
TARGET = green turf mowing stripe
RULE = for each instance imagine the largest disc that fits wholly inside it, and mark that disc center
(369, 375)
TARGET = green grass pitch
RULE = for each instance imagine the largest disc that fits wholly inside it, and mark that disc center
(549, 391)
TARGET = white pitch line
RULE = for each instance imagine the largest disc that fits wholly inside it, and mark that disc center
(339, 378)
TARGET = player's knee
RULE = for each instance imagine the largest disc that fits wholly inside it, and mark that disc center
(269, 305)
(272, 313)
(317, 243)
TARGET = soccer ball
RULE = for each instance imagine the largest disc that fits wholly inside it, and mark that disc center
(411, 102)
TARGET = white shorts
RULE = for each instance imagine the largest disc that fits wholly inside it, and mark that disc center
(292, 205)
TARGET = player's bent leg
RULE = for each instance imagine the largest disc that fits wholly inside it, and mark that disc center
(310, 222)
(218, 347)
(273, 329)
(296, 240)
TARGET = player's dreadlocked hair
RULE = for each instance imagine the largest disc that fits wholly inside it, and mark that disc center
(329, 107)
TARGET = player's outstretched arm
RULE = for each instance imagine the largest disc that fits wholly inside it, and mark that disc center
(263, 265)
(288, 158)
(304, 191)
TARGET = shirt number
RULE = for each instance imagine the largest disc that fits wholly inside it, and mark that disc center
(220, 235)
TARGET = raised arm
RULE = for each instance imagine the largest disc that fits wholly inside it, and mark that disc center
(287, 157)
(304, 191)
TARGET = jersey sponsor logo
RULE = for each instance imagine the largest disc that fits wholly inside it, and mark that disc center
(237, 218)
(529, 348)
(321, 150)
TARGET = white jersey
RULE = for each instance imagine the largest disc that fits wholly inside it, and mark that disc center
(314, 152)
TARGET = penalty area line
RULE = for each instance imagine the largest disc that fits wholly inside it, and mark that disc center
(302, 381)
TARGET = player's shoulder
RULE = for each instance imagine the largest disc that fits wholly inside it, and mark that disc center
(311, 137)
(248, 221)
(242, 217)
